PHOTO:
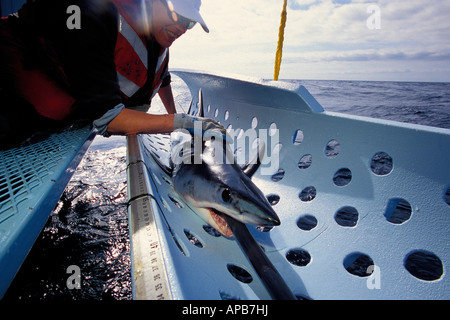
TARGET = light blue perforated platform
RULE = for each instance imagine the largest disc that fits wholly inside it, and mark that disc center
(32, 178)
(364, 204)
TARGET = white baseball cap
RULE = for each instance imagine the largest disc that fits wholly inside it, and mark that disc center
(189, 9)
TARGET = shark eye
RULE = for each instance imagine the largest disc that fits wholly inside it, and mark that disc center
(226, 195)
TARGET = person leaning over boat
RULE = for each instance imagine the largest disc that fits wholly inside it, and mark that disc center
(98, 59)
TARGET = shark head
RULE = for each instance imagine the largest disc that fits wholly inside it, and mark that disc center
(213, 190)
(238, 197)
(215, 187)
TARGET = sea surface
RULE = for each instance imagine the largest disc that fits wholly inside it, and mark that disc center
(89, 227)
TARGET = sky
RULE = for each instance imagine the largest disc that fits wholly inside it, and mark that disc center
(385, 40)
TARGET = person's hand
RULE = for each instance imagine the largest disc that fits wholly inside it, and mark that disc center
(198, 126)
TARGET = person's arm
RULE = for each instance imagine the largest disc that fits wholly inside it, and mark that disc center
(166, 95)
(131, 121)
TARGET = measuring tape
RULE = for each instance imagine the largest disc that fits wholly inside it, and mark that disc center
(148, 268)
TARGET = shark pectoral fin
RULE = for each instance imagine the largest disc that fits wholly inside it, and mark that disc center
(166, 167)
(190, 107)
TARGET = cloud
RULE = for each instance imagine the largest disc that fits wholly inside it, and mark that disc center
(301, 5)
(244, 35)
(368, 55)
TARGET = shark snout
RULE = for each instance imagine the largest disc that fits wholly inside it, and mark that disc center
(271, 218)
(263, 215)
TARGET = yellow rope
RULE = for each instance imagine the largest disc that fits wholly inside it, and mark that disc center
(280, 42)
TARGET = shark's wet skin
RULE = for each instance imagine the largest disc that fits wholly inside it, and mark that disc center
(207, 177)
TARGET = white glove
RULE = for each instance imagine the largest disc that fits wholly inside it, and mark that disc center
(198, 126)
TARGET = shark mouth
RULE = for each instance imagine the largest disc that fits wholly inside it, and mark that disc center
(221, 225)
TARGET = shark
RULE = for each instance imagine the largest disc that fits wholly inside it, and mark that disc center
(221, 192)
(213, 185)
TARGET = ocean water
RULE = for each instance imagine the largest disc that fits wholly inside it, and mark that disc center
(89, 229)
(413, 102)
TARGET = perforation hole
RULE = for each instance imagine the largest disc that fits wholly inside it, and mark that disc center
(424, 265)
(298, 137)
(239, 273)
(308, 194)
(342, 177)
(216, 113)
(381, 164)
(307, 222)
(264, 229)
(255, 144)
(156, 179)
(447, 196)
(165, 204)
(358, 264)
(278, 175)
(228, 296)
(167, 180)
(175, 202)
(193, 239)
(227, 115)
(180, 245)
(273, 199)
(240, 133)
(305, 161)
(277, 149)
(211, 231)
(398, 211)
(254, 122)
(273, 129)
(346, 217)
(298, 257)
(332, 149)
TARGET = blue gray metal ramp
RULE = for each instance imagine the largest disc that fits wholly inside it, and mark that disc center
(363, 205)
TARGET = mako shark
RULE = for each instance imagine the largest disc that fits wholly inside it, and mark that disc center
(216, 186)
(223, 195)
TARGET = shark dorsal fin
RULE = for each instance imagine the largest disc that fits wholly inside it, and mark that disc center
(197, 110)
(252, 165)
(201, 112)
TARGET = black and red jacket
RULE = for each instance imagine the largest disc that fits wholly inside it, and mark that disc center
(104, 63)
